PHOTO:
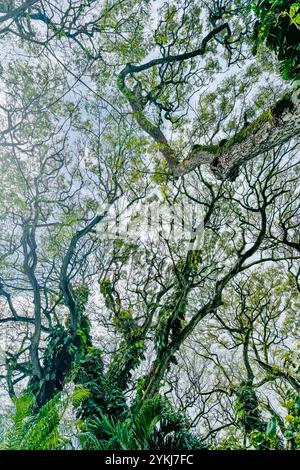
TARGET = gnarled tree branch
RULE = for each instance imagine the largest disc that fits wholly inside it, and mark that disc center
(273, 127)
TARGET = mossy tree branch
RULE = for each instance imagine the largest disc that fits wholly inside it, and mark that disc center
(275, 126)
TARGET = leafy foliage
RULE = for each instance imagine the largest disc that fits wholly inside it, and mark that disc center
(292, 420)
(278, 26)
(103, 396)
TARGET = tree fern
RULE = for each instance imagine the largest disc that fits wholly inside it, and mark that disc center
(28, 431)
(43, 432)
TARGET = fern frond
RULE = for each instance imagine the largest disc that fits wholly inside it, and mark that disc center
(80, 394)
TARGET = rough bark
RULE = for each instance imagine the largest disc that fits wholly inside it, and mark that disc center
(29, 265)
(274, 127)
